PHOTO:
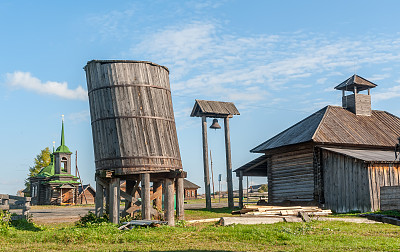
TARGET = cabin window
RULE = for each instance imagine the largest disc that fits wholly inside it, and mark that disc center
(64, 164)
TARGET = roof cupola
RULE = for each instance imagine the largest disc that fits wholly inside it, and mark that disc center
(359, 104)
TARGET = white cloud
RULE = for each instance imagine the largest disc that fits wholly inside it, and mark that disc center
(26, 81)
(82, 116)
(208, 63)
(392, 92)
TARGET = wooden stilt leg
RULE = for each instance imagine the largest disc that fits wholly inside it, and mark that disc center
(146, 206)
(240, 189)
(180, 213)
(169, 201)
(99, 199)
(114, 188)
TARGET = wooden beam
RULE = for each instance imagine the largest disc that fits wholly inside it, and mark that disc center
(145, 195)
(205, 162)
(169, 201)
(99, 198)
(114, 189)
(228, 163)
(180, 195)
(240, 189)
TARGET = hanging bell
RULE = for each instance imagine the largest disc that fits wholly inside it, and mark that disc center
(215, 124)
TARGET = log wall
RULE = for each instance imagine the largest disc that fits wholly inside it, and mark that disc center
(346, 183)
(390, 198)
(132, 117)
(381, 175)
(291, 177)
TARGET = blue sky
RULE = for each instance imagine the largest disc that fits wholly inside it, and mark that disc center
(278, 61)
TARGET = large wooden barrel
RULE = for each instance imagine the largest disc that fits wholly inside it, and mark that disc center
(132, 118)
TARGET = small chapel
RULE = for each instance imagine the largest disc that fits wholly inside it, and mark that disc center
(54, 184)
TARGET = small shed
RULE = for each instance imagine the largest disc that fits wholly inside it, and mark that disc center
(190, 189)
(86, 194)
(338, 157)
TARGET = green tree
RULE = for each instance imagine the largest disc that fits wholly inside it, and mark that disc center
(263, 188)
(41, 160)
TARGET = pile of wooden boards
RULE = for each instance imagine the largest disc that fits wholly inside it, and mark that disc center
(280, 211)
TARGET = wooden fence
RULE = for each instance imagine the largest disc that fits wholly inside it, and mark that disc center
(10, 202)
(390, 198)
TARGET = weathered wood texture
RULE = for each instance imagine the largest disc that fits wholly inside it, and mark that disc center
(228, 163)
(180, 211)
(132, 117)
(146, 206)
(214, 109)
(351, 184)
(338, 126)
(11, 202)
(381, 175)
(360, 104)
(114, 197)
(169, 201)
(390, 198)
(205, 162)
(346, 183)
(291, 176)
(99, 202)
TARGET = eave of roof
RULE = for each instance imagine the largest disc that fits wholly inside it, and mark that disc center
(369, 156)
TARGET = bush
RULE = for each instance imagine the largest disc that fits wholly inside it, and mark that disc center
(91, 219)
(5, 220)
(263, 188)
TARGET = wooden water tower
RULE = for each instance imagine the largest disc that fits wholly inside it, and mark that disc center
(134, 137)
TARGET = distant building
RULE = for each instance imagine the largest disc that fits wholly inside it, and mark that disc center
(86, 194)
(54, 184)
(338, 157)
(190, 189)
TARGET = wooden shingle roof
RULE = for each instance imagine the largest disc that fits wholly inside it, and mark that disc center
(338, 126)
(256, 167)
(216, 109)
(189, 185)
(379, 156)
(355, 80)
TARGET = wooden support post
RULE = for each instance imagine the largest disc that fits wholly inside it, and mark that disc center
(228, 163)
(114, 198)
(205, 162)
(240, 189)
(180, 195)
(157, 188)
(145, 195)
(169, 201)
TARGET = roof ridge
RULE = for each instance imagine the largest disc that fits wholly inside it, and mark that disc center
(322, 120)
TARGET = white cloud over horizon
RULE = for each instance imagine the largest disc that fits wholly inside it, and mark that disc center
(25, 80)
(207, 61)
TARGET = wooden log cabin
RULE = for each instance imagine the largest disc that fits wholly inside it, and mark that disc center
(338, 157)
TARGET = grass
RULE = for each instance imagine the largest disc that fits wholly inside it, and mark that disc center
(313, 236)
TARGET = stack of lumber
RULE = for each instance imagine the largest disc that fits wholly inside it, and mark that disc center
(276, 211)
